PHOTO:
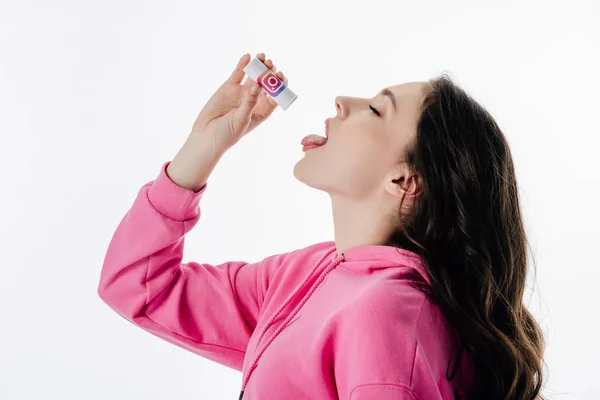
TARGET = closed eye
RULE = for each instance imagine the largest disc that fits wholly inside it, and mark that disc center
(375, 111)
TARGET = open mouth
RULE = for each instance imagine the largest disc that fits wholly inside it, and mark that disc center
(316, 140)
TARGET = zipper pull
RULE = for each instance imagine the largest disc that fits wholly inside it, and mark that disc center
(241, 394)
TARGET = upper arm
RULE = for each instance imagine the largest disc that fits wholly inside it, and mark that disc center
(395, 345)
(382, 391)
(208, 309)
(376, 345)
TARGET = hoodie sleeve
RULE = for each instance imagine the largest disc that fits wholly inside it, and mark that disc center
(396, 344)
(376, 344)
(382, 391)
(210, 310)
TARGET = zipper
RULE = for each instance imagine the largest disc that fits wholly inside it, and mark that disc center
(340, 257)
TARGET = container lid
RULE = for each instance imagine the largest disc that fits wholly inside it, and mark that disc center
(286, 98)
(255, 68)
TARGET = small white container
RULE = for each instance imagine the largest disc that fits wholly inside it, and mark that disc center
(271, 83)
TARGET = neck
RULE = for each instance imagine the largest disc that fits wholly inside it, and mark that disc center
(359, 223)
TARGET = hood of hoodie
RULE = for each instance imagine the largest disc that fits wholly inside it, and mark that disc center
(366, 259)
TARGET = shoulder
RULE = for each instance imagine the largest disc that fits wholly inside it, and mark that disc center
(402, 314)
(283, 271)
(408, 333)
(401, 305)
(378, 334)
(418, 320)
(303, 256)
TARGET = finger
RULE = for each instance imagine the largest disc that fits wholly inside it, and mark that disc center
(269, 63)
(244, 111)
(282, 77)
(238, 73)
(272, 103)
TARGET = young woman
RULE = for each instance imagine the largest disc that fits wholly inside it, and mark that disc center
(420, 295)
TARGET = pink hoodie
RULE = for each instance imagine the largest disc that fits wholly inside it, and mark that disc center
(308, 324)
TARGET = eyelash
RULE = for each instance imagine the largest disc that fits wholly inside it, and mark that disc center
(375, 111)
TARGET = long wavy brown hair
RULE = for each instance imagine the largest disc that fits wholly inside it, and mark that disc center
(467, 227)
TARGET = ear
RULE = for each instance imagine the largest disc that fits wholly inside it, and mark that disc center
(404, 183)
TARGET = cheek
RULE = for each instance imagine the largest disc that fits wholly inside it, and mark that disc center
(360, 145)
(357, 158)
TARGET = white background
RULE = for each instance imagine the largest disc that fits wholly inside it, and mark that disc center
(95, 96)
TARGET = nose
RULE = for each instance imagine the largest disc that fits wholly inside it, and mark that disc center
(340, 106)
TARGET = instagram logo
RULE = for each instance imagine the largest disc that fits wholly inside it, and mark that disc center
(271, 83)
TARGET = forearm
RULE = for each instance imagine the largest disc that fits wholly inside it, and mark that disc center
(195, 161)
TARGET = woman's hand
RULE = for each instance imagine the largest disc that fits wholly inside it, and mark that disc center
(235, 109)
(232, 111)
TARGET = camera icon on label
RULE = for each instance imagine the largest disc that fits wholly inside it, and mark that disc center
(271, 83)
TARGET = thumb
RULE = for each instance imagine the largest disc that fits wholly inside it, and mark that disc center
(244, 111)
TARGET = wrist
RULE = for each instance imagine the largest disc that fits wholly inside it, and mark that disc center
(193, 164)
(206, 144)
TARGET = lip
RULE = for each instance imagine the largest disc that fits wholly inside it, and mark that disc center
(308, 147)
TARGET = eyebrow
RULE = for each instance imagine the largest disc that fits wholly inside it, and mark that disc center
(388, 92)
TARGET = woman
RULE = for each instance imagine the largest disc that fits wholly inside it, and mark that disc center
(420, 296)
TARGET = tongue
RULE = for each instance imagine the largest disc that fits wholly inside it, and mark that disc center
(314, 140)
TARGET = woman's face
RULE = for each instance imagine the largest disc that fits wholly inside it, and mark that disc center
(363, 153)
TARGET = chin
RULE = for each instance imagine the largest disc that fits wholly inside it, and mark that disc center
(306, 173)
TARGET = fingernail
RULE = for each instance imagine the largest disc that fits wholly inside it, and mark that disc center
(254, 89)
